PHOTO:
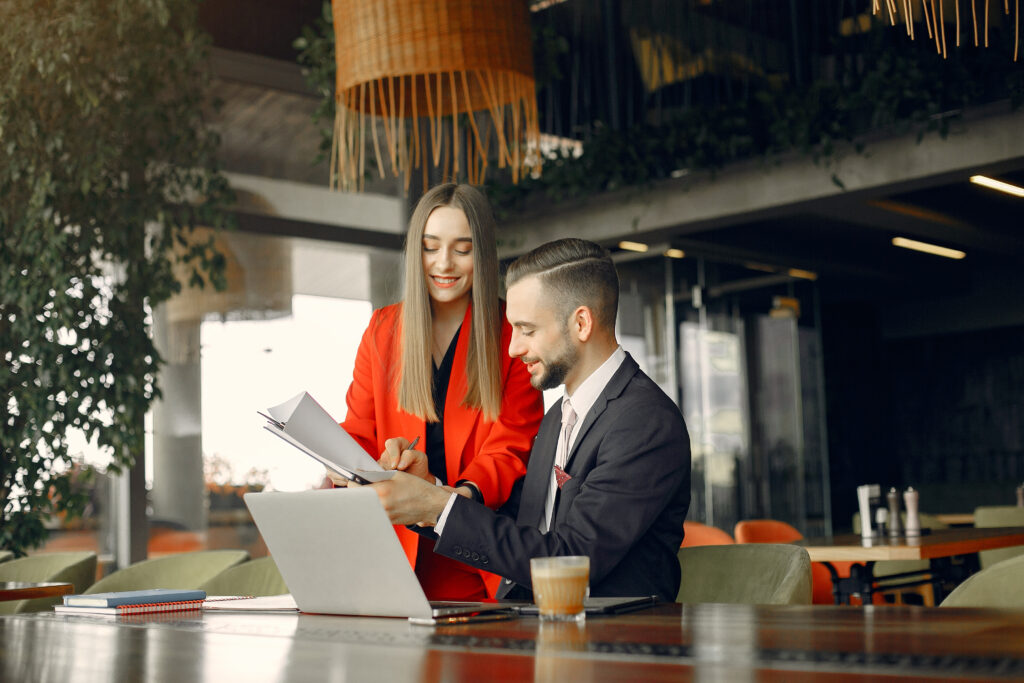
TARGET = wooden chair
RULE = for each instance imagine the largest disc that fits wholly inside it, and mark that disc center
(697, 533)
(751, 574)
(890, 567)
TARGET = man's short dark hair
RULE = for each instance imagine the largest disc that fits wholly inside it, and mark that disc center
(574, 273)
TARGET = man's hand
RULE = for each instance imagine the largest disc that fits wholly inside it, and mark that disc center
(410, 500)
(398, 456)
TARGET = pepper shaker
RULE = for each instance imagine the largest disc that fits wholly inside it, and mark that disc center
(910, 500)
(893, 497)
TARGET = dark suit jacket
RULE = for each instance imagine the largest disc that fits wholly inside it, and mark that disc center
(624, 506)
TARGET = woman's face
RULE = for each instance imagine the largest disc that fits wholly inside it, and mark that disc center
(448, 255)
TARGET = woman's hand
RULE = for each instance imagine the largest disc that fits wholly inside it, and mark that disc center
(339, 481)
(397, 455)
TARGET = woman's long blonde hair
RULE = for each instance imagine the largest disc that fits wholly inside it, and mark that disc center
(483, 369)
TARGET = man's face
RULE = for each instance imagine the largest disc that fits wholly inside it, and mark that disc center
(540, 338)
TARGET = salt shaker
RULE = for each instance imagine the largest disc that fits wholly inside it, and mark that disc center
(881, 519)
(910, 500)
(893, 498)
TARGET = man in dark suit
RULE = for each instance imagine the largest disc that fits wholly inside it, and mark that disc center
(609, 473)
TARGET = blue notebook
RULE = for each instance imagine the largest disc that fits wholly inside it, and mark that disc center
(143, 597)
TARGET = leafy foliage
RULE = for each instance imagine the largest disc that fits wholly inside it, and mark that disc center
(903, 87)
(316, 55)
(106, 165)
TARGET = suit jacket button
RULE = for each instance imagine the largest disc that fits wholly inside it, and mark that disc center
(458, 550)
(483, 558)
(476, 556)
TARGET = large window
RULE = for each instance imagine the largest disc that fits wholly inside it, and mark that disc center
(290, 321)
(249, 366)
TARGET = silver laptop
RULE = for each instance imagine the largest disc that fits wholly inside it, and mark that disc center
(338, 554)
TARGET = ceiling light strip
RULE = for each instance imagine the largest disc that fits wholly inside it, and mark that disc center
(999, 185)
(927, 248)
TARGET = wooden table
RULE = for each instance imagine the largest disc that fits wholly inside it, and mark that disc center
(19, 590)
(952, 555)
(667, 643)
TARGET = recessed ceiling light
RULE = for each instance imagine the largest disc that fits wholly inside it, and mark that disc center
(675, 253)
(994, 184)
(927, 248)
(632, 246)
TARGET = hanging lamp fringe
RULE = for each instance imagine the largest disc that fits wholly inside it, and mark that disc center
(395, 137)
(441, 83)
(933, 13)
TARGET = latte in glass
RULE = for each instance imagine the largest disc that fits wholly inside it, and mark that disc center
(560, 585)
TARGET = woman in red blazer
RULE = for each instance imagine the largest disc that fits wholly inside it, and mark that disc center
(436, 368)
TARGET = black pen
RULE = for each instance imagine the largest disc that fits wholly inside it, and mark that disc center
(455, 620)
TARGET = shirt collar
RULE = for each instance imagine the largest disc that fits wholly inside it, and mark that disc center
(589, 389)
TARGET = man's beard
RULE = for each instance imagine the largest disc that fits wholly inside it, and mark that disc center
(556, 369)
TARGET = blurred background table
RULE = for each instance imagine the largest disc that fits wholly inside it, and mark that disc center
(669, 642)
(952, 555)
(20, 590)
(956, 518)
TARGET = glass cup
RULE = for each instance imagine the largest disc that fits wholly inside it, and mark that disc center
(560, 585)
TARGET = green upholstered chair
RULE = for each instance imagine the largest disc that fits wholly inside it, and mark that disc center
(777, 531)
(998, 515)
(256, 578)
(77, 568)
(753, 574)
(1000, 585)
(182, 570)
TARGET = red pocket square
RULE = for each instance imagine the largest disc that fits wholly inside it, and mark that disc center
(561, 476)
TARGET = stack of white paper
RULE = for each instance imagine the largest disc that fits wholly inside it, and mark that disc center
(303, 423)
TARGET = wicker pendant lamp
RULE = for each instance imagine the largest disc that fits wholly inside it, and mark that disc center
(464, 67)
(936, 14)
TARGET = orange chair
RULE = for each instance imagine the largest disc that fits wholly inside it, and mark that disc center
(695, 533)
(164, 541)
(774, 531)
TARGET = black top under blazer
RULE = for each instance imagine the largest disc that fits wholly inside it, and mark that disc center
(624, 506)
